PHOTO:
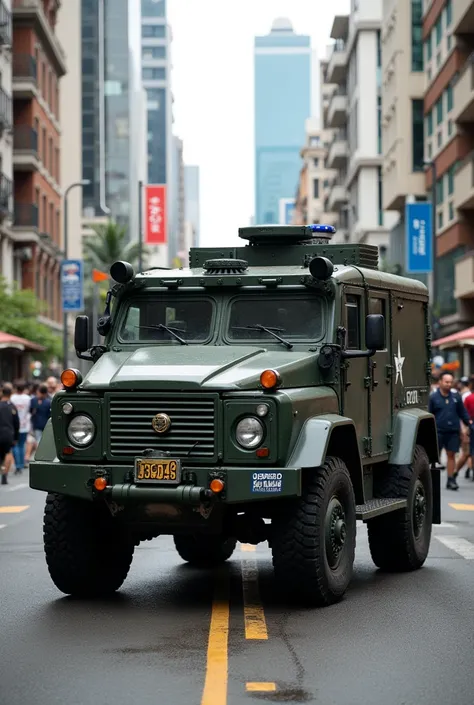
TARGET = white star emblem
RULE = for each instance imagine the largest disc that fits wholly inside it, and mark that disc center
(399, 360)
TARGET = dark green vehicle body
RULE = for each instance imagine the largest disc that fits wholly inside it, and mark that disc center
(368, 411)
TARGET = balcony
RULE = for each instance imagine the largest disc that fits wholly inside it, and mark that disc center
(24, 76)
(25, 149)
(337, 64)
(25, 216)
(337, 197)
(464, 184)
(337, 112)
(338, 151)
(463, 17)
(6, 111)
(30, 12)
(464, 277)
(6, 196)
(5, 26)
(463, 94)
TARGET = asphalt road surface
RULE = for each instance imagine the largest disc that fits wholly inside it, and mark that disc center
(179, 636)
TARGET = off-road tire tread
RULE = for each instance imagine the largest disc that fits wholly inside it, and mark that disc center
(88, 553)
(389, 534)
(295, 543)
(204, 551)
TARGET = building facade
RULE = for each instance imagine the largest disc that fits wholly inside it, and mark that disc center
(176, 207)
(192, 201)
(10, 263)
(38, 65)
(354, 113)
(282, 104)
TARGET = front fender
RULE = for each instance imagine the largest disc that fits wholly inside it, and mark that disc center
(46, 450)
(329, 435)
(411, 427)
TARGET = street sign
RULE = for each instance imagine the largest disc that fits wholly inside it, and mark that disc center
(72, 285)
(418, 233)
(287, 209)
(155, 215)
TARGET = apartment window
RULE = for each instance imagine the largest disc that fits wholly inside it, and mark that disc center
(449, 12)
(314, 141)
(379, 124)
(44, 215)
(416, 35)
(439, 138)
(451, 180)
(44, 147)
(157, 31)
(50, 90)
(380, 195)
(429, 47)
(439, 111)
(440, 190)
(451, 210)
(316, 162)
(379, 48)
(315, 188)
(150, 53)
(439, 30)
(429, 123)
(440, 220)
(449, 97)
(417, 135)
(438, 59)
(44, 87)
(450, 128)
(445, 266)
(430, 150)
(155, 74)
(51, 221)
(449, 41)
(153, 8)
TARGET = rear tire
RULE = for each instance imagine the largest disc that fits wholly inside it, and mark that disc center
(88, 553)
(313, 542)
(204, 551)
(400, 541)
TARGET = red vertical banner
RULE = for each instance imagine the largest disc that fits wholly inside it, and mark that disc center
(155, 215)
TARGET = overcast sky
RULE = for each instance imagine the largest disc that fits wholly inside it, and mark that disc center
(212, 78)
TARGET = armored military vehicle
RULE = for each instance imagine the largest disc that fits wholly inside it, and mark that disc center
(275, 391)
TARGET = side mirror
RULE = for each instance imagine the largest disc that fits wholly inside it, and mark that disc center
(82, 334)
(375, 332)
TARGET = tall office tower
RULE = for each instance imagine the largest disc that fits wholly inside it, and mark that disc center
(282, 104)
(191, 201)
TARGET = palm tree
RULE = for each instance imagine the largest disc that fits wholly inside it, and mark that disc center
(109, 244)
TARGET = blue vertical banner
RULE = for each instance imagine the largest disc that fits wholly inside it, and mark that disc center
(419, 238)
(72, 285)
(287, 209)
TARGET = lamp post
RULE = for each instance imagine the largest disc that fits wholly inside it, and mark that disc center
(431, 279)
(77, 184)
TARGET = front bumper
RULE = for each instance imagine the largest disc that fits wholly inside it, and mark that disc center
(242, 485)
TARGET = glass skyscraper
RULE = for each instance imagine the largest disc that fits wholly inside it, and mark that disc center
(282, 104)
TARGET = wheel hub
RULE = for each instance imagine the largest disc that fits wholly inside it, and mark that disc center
(419, 509)
(336, 531)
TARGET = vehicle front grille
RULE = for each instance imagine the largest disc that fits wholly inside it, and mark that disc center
(192, 430)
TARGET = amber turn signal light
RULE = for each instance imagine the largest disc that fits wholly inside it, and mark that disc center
(70, 378)
(217, 485)
(100, 483)
(269, 379)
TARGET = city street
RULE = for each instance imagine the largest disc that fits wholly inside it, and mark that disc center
(397, 639)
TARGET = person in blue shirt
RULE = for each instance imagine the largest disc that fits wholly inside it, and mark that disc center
(40, 411)
(448, 409)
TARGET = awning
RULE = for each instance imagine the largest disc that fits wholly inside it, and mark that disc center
(8, 341)
(456, 340)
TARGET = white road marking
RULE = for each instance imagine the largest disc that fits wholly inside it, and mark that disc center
(20, 486)
(461, 546)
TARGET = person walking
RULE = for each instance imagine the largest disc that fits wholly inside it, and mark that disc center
(40, 411)
(9, 429)
(21, 401)
(449, 410)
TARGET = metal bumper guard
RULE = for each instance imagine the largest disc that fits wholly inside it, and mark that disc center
(241, 484)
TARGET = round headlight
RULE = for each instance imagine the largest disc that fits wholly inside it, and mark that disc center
(81, 430)
(68, 408)
(249, 432)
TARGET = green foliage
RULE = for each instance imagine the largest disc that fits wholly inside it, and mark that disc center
(19, 311)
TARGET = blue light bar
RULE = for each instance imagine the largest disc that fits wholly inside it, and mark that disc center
(318, 228)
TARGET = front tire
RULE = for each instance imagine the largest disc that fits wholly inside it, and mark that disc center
(313, 542)
(88, 553)
(204, 551)
(400, 541)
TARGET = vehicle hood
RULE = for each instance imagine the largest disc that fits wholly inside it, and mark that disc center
(199, 367)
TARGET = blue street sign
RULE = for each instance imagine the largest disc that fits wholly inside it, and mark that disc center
(418, 232)
(72, 285)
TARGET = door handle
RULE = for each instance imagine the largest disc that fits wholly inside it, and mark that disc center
(375, 383)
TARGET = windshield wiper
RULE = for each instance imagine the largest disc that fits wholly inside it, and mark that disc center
(160, 326)
(263, 329)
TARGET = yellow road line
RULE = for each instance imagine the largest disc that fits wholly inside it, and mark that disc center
(463, 507)
(254, 616)
(260, 687)
(247, 547)
(13, 510)
(215, 685)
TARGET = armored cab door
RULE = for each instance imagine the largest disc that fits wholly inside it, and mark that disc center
(380, 382)
(355, 393)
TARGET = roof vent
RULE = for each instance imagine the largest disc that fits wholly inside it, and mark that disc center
(225, 266)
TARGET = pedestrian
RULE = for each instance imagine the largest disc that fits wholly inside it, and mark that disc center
(9, 429)
(30, 439)
(40, 411)
(449, 411)
(464, 387)
(52, 386)
(21, 401)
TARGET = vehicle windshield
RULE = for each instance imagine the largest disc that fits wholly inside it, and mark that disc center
(147, 320)
(293, 318)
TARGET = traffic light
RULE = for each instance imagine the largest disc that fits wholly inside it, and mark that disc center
(36, 368)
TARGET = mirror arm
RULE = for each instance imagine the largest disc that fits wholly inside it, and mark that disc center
(93, 354)
(348, 354)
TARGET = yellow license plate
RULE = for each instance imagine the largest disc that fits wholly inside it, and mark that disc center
(165, 471)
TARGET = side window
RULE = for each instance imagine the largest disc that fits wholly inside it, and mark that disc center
(353, 322)
(378, 305)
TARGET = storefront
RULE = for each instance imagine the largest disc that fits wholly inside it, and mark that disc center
(457, 351)
(16, 355)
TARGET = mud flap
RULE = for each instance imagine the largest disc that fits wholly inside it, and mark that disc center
(436, 480)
